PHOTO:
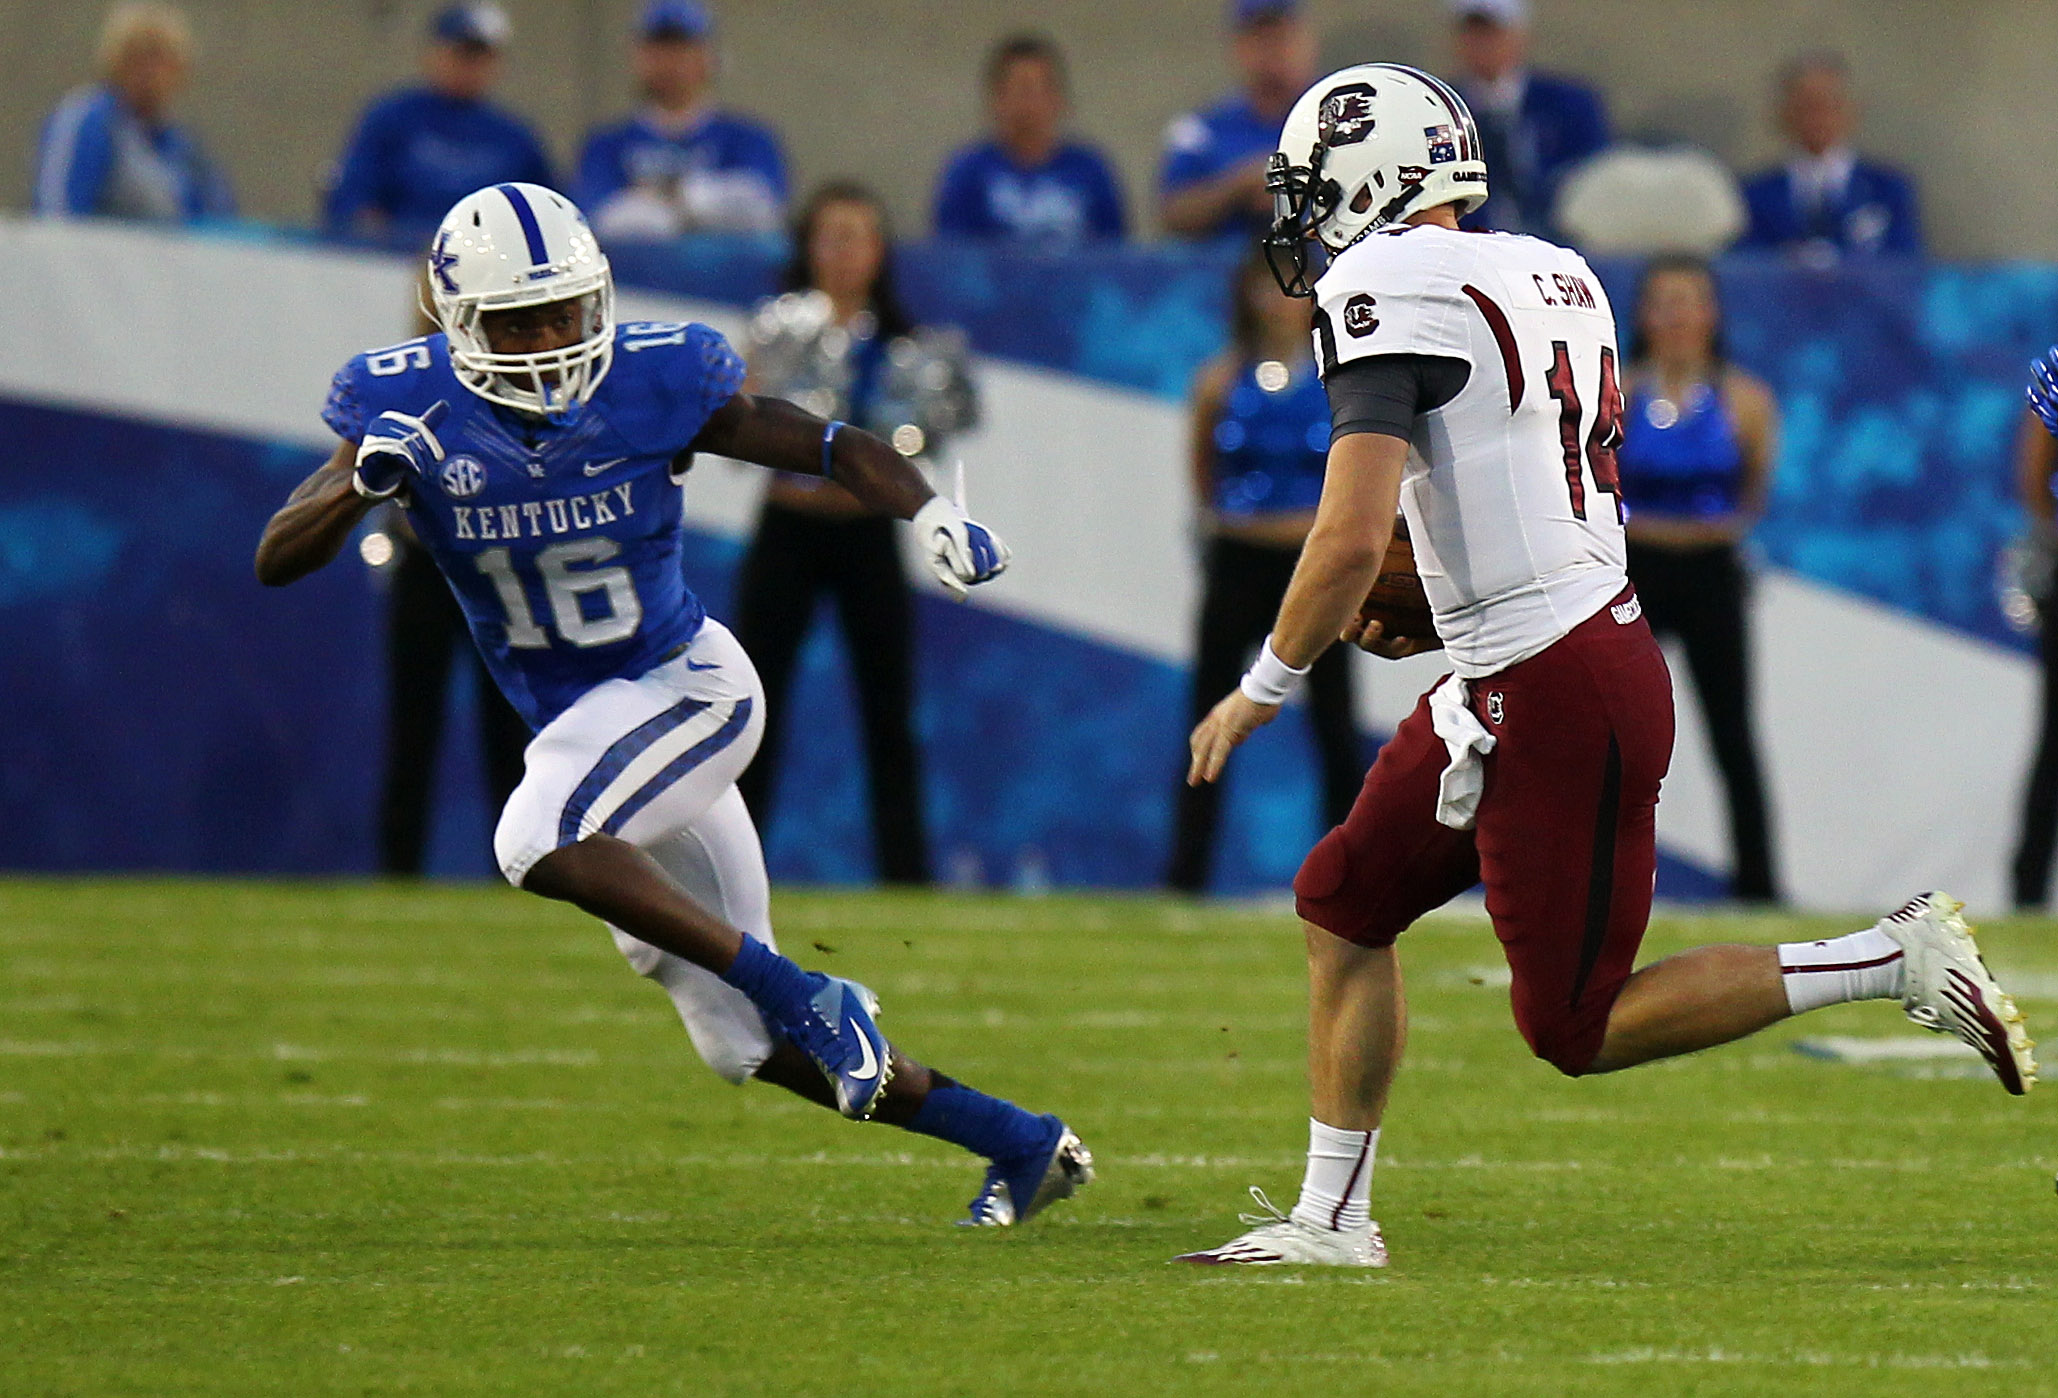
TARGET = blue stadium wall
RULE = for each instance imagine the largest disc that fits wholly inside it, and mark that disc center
(164, 712)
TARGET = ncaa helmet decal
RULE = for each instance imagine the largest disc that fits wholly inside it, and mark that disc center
(1363, 148)
(511, 246)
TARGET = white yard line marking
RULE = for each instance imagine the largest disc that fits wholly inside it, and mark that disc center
(745, 1160)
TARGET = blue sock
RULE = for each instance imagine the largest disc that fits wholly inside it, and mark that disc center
(774, 984)
(983, 1125)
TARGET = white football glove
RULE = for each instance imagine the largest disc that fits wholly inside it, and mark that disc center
(961, 553)
(394, 445)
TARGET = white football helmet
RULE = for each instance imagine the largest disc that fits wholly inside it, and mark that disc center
(1363, 148)
(513, 245)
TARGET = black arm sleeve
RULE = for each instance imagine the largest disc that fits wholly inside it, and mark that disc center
(1387, 392)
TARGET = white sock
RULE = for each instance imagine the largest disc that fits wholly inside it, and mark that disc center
(1336, 1193)
(1866, 965)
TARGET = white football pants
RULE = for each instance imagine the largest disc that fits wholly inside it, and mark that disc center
(654, 761)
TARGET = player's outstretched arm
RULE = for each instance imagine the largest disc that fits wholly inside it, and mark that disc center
(773, 432)
(786, 437)
(309, 530)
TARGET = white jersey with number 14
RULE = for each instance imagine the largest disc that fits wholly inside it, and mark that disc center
(1511, 493)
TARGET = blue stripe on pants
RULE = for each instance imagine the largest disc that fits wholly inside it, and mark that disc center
(615, 761)
(678, 767)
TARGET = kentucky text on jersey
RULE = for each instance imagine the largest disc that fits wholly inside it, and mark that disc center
(529, 519)
(561, 543)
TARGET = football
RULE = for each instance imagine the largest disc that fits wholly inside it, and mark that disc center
(1396, 600)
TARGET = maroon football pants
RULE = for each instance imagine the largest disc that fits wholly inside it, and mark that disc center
(1566, 837)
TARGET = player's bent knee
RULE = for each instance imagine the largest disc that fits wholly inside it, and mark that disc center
(516, 846)
(1329, 893)
(1568, 1043)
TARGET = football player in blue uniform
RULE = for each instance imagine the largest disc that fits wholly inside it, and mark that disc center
(540, 448)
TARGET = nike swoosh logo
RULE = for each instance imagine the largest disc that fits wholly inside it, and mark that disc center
(703, 664)
(597, 467)
(869, 1069)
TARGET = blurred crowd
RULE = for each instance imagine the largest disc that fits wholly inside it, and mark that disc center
(684, 162)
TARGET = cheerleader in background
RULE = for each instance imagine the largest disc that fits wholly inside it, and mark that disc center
(1696, 461)
(839, 344)
(1260, 436)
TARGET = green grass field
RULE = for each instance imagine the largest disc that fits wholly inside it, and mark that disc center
(314, 1139)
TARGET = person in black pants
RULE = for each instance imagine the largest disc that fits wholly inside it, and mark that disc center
(1696, 463)
(2036, 461)
(425, 632)
(814, 538)
(1260, 437)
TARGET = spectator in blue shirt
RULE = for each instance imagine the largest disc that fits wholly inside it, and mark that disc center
(1028, 184)
(680, 163)
(1213, 179)
(1533, 127)
(420, 150)
(111, 150)
(1825, 201)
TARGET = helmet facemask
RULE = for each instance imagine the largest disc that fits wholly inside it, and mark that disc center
(551, 384)
(1301, 198)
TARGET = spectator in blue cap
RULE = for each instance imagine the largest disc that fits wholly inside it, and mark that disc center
(111, 149)
(680, 164)
(1534, 128)
(1213, 178)
(420, 150)
(1027, 183)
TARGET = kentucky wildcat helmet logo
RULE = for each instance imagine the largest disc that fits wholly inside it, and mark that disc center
(441, 260)
(1347, 115)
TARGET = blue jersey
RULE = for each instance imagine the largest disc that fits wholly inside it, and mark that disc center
(416, 153)
(1271, 442)
(1069, 198)
(1681, 459)
(1209, 143)
(561, 543)
(729, 169)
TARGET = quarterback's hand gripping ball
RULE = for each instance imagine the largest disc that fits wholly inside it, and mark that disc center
(1394, 620)
(961, 553)
(394, 444)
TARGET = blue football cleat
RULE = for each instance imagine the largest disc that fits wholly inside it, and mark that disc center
(838, 1033)
(1017, 1190)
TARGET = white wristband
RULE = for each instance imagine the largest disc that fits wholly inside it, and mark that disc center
(1270, 680)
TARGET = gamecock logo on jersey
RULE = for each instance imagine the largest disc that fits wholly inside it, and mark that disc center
(1358, 316)
(463, 477)
(1347, 115)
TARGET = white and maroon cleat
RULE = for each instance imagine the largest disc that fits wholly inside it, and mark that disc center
(1949, 990)
(1279, 1240)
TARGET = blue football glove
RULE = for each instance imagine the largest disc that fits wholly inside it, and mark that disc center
(394, 445)
(961, 553)
(2043, 389)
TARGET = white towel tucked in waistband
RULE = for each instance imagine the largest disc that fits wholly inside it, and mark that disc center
(1467, 741)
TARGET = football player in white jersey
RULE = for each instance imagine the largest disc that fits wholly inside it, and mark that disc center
(1472, 386)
